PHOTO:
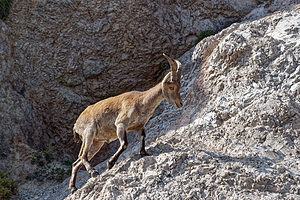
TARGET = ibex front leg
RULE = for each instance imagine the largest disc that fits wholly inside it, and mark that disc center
(121, 133)
(142, 136)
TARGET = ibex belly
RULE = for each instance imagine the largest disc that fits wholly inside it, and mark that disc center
(106, 132)
(138, 123)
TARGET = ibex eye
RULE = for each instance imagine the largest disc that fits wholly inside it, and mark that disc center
(171, 88)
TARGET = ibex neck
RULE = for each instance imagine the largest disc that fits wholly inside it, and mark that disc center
(153, 97)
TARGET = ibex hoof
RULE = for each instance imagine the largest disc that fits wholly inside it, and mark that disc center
(110, 165)
(94, 173)
(73, 190)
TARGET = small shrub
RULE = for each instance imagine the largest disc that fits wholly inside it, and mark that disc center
(67, 162)
(59, 174)
(5, 6)
(204, 34)
(46, 168)
(7, 187)
(49, 154)
(37, 159)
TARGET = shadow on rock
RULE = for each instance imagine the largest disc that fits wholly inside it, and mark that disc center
(262, 164)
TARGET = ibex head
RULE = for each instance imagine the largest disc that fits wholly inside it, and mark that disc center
(171, 83)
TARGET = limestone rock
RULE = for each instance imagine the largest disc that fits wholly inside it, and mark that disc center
(58, 57)
(238, 134)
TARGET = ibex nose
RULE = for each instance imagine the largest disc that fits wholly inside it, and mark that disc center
(180, 104)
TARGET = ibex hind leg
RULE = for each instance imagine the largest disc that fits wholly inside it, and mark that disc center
(75, 168)
(88, 140)
(93, 151)
(79, 155)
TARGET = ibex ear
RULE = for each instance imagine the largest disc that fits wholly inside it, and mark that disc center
(173, 68)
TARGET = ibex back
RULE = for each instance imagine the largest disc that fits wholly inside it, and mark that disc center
(111, 118)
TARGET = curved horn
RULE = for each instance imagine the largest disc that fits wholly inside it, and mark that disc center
(179, 70)
(173, 68)
(167, 78)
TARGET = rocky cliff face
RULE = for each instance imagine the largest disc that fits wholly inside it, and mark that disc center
(238, 134)
(57, 57)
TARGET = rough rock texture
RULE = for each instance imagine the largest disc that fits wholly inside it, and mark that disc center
(238, 134)
(269, 7)
(57, 57)
(17, 118)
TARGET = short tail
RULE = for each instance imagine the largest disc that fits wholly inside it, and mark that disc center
(76, 136)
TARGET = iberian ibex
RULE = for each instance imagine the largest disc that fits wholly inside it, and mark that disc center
(111, 118)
